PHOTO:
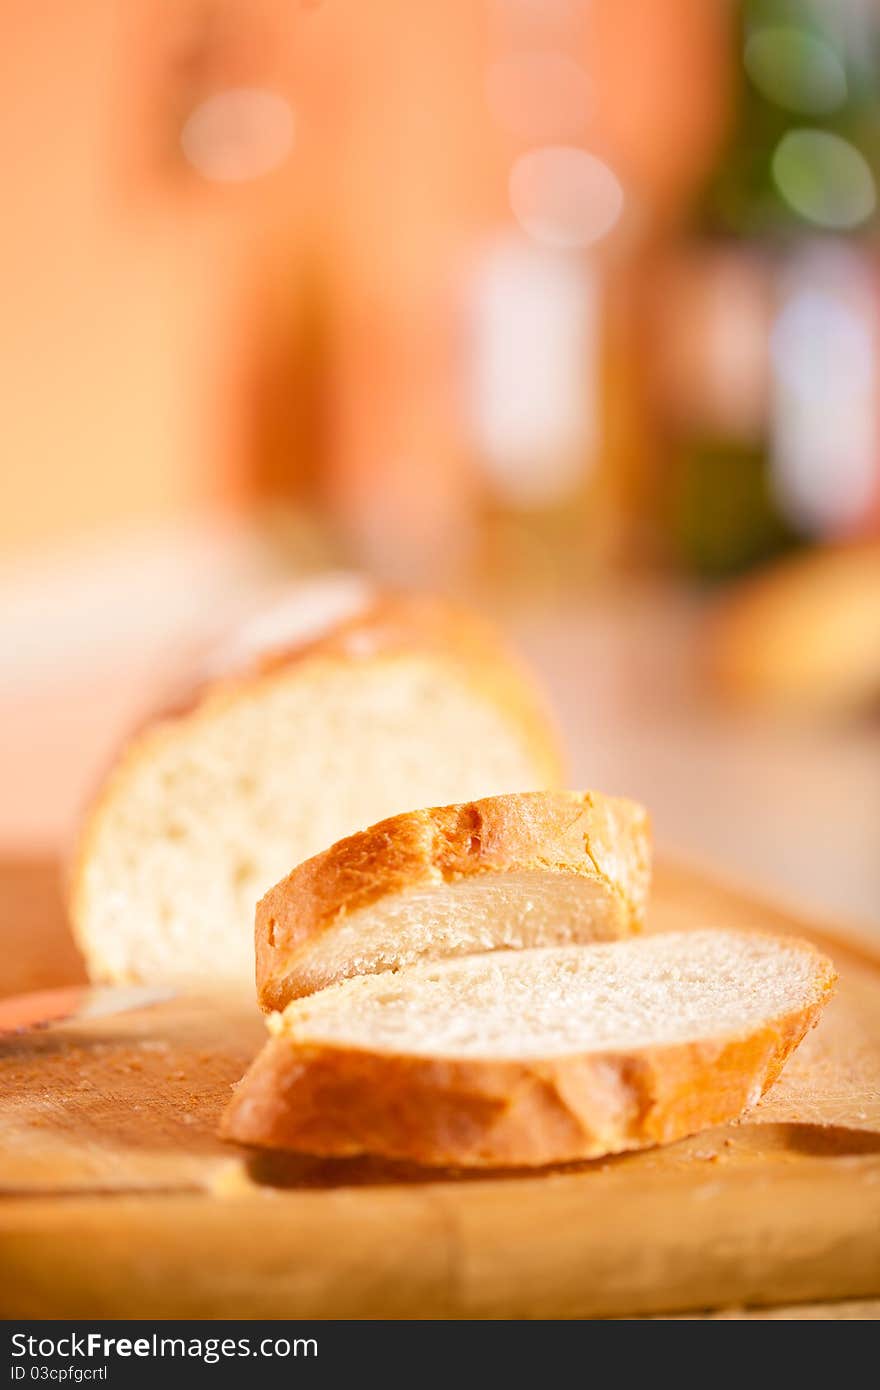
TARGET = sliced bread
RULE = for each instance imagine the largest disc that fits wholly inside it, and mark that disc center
(539, 869)
(534, 1057)
(336, 708)
(802, 637)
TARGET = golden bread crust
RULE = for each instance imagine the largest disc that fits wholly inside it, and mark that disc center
(338, 1101)
(603, 839)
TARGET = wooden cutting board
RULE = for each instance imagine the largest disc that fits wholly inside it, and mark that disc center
(117, 1200)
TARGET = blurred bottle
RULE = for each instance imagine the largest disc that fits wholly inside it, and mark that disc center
(480, 182)
(537, 307)
(600, 116)
(536, 387)
(770, 308)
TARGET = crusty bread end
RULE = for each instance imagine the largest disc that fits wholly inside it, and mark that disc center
(300, 734)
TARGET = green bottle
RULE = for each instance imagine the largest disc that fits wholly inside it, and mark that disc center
(779, 443)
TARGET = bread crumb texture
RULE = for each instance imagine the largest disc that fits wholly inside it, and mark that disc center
(408, 703)
(504, 872)
(534, 1057)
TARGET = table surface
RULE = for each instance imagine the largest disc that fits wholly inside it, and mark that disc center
(111, 1130)
(794, 811)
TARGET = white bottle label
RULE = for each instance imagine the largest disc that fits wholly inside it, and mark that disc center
(825, 441)
(533, 371)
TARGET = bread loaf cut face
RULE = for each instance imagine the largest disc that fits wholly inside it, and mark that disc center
(537, 869)
(303, 734)
(534, 1057)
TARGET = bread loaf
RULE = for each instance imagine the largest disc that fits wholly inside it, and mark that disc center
(802, 638)
(339, 707)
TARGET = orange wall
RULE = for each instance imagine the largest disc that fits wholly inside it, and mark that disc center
(138, 303)
(122, 280)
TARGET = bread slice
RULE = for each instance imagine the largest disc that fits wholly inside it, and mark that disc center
(334, 709)
(537, 1056)
(541, 869)
(803, 636)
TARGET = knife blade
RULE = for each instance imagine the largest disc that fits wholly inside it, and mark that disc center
(49, 1008)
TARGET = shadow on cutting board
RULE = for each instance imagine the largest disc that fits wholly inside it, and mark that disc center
(731, 1143)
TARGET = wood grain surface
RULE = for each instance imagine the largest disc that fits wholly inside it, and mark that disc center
(117, 1199)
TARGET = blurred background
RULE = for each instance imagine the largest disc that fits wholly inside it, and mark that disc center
(567, 307)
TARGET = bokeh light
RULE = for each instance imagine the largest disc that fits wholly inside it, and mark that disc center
(543, 96)
(564, 197)
(796, 70)
(824, 178)
(238, 134)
